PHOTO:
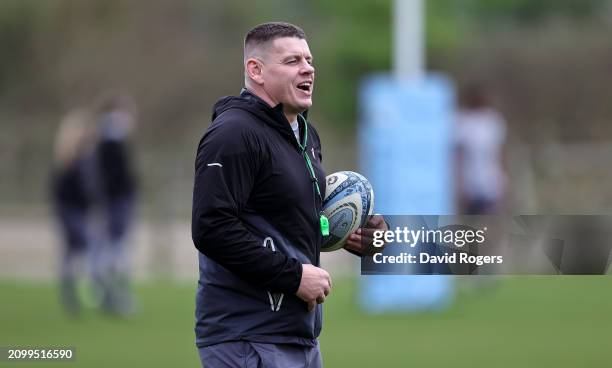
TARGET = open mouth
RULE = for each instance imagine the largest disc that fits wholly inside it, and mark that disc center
(305, 86)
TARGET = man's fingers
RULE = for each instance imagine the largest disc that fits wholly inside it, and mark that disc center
(373, 221)
(329, 282)
(353, 245)
(377, 222)
(354, 237)
(369, 232)
(364, 246)
(314, 286)
(357, 242)
(362, 240)
(362, 232)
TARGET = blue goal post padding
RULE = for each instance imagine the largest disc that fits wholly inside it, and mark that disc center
(406, 146)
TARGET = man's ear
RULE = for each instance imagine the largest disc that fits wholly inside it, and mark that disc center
(254, 70)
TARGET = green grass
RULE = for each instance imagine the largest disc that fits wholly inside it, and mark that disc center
(520, 322)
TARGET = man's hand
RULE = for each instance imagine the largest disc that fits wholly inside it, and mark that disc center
(314, 286)
(361, 241)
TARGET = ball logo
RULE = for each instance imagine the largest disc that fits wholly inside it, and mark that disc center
(332, 179)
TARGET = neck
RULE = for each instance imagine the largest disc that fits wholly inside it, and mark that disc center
(290, 117)
(261, 93)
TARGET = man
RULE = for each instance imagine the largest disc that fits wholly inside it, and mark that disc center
(480, 135)
(116, 119)
(257, 213)
(72, 201)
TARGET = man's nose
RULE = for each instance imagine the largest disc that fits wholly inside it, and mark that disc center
(308, 69)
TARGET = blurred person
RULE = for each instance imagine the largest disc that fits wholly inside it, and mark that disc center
(480, 138)
(115, 200)
(256, 217)
(72, 201)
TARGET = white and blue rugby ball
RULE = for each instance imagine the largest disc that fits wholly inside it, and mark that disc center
(348, 202)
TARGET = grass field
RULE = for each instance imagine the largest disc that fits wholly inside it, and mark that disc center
(520, 322)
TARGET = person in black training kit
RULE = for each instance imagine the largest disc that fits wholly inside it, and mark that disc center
(256, 217)
(72, 202)
(116, 119)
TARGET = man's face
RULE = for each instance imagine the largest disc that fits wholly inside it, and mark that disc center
(288, 74)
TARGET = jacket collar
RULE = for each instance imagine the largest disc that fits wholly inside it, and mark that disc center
(273, 116)
(245, 93)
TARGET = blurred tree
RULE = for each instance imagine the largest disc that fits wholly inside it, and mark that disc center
(354, 39)
(549, 61)
(22, 23)
(528, 11)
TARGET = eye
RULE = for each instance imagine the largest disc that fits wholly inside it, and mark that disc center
(291, 61)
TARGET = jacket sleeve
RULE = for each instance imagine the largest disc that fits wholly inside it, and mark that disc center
(226, 167)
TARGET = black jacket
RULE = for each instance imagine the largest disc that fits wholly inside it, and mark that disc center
(117, 176)
(255, 221)
(69, 187)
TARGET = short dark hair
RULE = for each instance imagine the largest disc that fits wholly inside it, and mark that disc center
(267, 32)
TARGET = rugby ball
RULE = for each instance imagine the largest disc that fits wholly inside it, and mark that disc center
(348, 202)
